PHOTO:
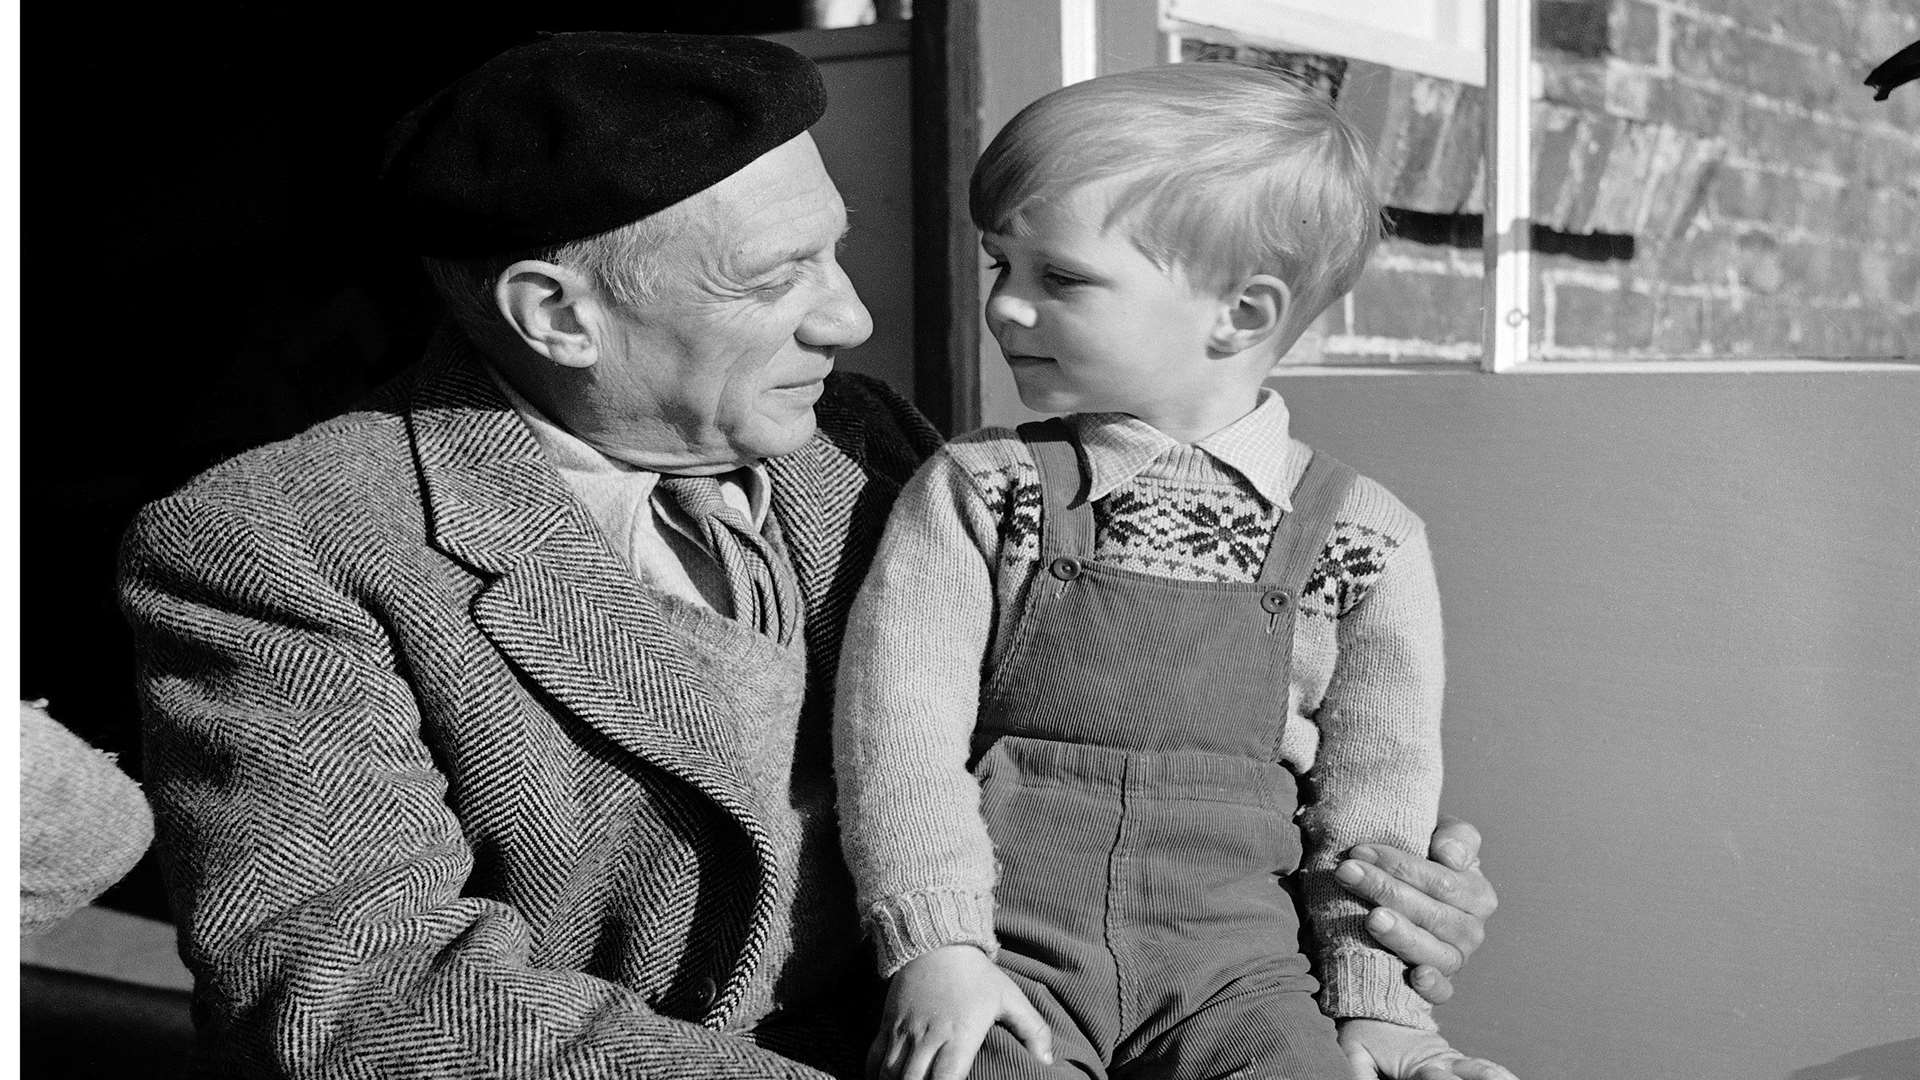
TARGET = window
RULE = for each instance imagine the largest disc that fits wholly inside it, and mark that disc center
(1673, 181)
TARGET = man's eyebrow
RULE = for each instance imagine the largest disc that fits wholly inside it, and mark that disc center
(762, 261)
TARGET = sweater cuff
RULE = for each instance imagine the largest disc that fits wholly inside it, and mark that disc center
(1370, 984)
(903, 927)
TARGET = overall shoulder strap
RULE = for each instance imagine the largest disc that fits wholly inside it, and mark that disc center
(1303, 531)
(1066, 516)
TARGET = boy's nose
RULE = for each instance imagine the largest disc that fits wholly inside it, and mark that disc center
(1004, 308)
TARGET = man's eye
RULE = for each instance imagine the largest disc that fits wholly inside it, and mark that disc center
(778, 287)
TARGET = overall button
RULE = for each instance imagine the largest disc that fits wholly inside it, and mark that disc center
(1274, 601)
(1065, 567)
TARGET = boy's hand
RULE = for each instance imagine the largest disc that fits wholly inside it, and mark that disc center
(1376, 1048)
(939, 1009)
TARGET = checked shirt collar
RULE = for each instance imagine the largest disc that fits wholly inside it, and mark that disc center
(1257, 446)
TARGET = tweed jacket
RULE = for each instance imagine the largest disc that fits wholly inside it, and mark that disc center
(436, 792)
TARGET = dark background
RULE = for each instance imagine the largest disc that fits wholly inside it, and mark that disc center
(200, 274)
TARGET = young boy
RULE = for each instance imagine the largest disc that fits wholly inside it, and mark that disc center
(1094, 655)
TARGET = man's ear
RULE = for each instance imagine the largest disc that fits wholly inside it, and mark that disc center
(1254, 313)
(552, 309)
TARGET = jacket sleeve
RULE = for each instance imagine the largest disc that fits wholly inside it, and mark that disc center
(316, 870)
(896, 438)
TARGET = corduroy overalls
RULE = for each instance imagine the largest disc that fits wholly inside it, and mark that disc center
(1128, 752)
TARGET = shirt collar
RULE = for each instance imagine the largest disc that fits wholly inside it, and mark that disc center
(569, 453)
(1119, 447)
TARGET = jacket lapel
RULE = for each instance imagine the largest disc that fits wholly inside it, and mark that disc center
(554, 599)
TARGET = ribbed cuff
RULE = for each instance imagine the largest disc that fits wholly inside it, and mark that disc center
(1371, 985)
(905, 926)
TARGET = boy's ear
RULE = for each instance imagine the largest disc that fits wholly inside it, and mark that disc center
(1255, 313)
(552, 309)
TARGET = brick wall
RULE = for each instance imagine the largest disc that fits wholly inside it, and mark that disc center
(1711, 179)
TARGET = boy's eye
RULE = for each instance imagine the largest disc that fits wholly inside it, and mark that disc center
(1060, 280)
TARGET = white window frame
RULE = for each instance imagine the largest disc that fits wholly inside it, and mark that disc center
(1452, 50)
(1503, 63)
(1500, 58)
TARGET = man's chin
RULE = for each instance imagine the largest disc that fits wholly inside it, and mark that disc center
(782, 432)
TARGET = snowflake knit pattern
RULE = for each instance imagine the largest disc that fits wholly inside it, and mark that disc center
(1185, 527)
(959, 560)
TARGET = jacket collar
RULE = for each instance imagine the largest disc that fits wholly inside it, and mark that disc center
(565, 608)
(555, 599)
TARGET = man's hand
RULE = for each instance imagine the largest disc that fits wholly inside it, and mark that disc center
(939, 1009)
(1375, 1048)
(1431, 913)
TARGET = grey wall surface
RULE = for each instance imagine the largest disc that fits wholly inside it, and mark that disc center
(866, 140)
(1683, 618)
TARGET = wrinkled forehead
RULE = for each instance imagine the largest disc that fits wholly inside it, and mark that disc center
(782, 206)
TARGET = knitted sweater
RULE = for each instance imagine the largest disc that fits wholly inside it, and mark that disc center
(934, 618)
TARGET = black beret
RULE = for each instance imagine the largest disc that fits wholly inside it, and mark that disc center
(579, 133)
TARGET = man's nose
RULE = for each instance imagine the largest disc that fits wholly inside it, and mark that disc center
(1004, 307)
(840, 320)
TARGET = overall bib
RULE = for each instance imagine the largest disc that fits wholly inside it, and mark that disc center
(1128, 753)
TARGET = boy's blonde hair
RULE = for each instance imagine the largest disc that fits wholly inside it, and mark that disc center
(1226, 170)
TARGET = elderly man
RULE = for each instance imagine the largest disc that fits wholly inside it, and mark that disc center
(486, 723)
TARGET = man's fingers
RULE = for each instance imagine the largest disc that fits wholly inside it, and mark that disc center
(1455, 843)
(1431, 984)
(1466, 889)
(1407, 922)
(1027, 1025)
(1414, 943)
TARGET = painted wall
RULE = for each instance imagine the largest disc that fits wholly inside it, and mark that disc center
(866, 141)
(1683, 618)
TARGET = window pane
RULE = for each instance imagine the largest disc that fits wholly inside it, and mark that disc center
(1419, 301)
(1712, 180)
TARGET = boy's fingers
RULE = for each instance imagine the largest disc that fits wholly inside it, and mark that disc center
(1458, 1066)
(955, 1059)
(1481, 1069)
(1029, 1027)
(888, 1058)
(919, 1060)
(1360, 1063)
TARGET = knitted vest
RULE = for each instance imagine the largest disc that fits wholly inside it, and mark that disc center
(759, 687)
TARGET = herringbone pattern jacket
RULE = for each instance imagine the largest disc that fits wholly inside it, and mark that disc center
(435, 792)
